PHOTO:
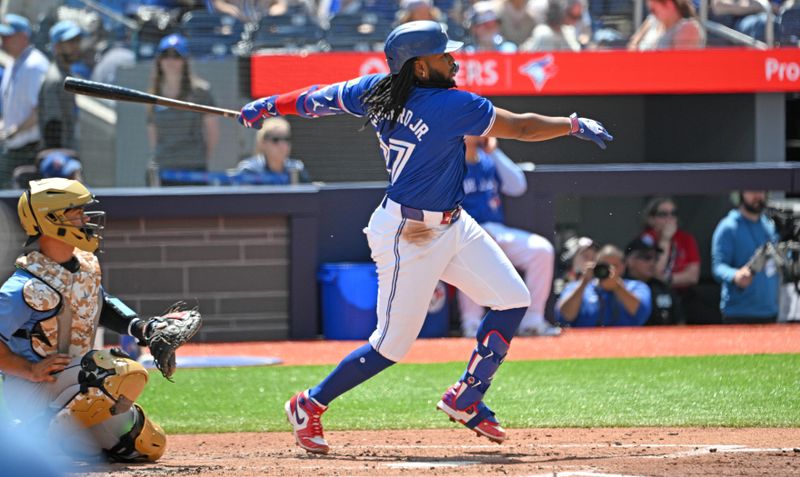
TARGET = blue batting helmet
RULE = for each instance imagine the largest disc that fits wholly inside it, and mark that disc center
(414, 39)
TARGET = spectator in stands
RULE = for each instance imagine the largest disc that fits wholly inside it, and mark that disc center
(60, 163)
(181, 140)
(558, 32)
(576, 253)
(746, 297)
(517, 20)
(672, 25)
(679, 263)
(57, 108)
(484, 30)
(601, 297)
(253, 10)
(489, 173)
(414, 10)
(22, 79)
(746, 16)
(271, 160)
(640, 264)
(116, 55)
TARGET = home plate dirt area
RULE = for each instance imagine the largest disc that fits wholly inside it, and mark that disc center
(528, 452)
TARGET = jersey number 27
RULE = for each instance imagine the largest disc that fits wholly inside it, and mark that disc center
(396, 154)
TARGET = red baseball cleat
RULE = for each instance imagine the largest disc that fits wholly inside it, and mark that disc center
(304, 413)
(477, 417)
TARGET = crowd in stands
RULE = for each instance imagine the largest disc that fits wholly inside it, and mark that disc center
(49, 40)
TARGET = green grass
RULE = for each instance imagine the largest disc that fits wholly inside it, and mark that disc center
(736, 391)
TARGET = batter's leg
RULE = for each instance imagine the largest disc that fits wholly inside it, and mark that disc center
(483, 272)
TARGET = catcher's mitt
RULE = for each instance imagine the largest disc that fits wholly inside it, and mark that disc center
(165, 333)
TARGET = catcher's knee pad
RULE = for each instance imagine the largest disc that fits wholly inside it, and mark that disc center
(145, 441)
(486, 358)
(108, 384)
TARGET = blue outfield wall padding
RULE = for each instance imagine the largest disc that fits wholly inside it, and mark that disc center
(218, 361)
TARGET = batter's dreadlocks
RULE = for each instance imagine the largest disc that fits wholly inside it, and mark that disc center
(387, 98)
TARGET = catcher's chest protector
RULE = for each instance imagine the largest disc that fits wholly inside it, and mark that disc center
(77, 293)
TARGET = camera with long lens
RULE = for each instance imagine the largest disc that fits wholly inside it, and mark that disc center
(602, 270)
(785, 253)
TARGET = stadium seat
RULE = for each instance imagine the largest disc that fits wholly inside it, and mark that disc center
(359, 32)
(292, 30)
(211, 34)
(384, 9)
(789, 32)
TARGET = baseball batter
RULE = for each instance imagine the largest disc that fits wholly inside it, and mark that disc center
(56, 386)
(418, 233)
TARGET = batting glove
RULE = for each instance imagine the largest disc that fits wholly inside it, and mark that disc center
(589, 130)
(253, 114)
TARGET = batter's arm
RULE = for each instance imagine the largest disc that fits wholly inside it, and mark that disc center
(536, 127)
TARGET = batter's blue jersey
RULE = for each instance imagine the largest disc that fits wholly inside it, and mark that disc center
(424, 151)
(482, 188)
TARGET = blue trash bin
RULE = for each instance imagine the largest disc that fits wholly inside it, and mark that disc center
(349, 293)
(349, 296)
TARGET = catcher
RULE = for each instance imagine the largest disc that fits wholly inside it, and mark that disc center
(50, 308)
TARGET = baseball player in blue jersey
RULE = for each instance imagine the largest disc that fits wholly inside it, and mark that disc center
(489, 173)
(418, 233)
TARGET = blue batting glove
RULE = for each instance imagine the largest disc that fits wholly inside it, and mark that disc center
(589, 130)
(253, 114)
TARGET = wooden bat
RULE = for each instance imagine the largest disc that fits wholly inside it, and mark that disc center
(118, 93)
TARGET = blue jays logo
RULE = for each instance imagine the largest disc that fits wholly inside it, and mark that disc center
(270, 108)
(539, 70)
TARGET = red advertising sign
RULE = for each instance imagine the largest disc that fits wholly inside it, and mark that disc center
(559, 73)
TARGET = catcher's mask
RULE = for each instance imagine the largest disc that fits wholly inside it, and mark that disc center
(42, 211)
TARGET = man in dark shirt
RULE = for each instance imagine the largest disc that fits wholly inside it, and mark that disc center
(640, 264)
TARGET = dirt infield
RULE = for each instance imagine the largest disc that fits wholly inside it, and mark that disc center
(528, 452)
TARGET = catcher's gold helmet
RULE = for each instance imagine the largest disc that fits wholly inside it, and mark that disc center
(41, 211)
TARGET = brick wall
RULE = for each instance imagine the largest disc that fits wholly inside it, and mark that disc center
(235, 268)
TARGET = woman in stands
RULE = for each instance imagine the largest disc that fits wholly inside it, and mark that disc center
(182, 141)
(678, 261)
(671, 25)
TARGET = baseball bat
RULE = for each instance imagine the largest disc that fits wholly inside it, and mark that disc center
(118, 93)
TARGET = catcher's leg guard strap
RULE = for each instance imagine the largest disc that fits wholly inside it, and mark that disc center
(108, 384)
(146, 441)
(486, 358)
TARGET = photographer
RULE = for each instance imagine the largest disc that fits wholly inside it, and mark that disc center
(601, 297)
(747, 296)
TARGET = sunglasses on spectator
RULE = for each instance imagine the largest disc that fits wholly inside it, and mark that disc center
(171, 53)
(647, 257)
(277, 139)
(666, 213)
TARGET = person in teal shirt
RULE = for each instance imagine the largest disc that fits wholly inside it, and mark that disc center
(746, 297)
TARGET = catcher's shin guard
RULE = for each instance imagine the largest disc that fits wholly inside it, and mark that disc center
(108, 384)
(145, 441)
(486, 358)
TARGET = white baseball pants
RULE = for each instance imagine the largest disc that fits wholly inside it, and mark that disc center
(461, 254)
